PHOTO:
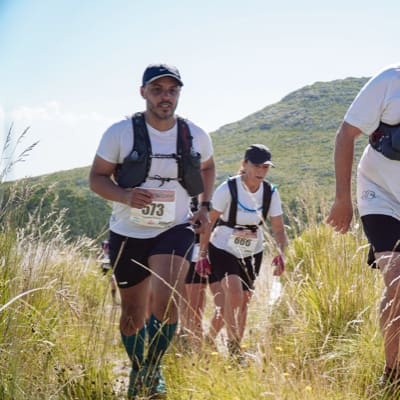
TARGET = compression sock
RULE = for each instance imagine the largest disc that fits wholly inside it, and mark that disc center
(134, 346)
(160, 336)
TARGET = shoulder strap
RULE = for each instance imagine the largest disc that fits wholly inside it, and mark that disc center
(184, 138)
(140, 135)
(267, 194)
(232, 185)
(183, 145)
(141, 140)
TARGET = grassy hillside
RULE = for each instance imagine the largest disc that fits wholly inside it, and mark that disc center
(319, 106)
(63, 193)
(59, 333)
(299, 129)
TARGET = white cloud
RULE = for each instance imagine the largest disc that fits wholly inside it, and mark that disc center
(66, 139)
(51, 111)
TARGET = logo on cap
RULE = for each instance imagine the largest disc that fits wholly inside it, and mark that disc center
(156, 71)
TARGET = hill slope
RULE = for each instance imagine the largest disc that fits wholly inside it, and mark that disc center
(299, 129)
(319, 106)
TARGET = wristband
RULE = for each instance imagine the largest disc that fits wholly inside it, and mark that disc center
(206, 204)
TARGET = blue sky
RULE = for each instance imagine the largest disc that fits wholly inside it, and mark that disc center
(69, 68)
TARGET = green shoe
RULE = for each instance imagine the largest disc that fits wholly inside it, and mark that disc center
(135, 383)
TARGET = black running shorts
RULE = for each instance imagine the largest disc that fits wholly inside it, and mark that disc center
(383, 234)
(224, 263)
(178, 240)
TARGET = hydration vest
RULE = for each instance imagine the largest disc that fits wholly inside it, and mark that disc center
(136, 165)
(386, 140)
(268, 189)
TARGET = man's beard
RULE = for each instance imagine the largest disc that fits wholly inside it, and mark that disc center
(161, 113)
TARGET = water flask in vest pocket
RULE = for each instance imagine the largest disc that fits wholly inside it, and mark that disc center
(132, 172)
(395, 135)
(191, 179)
(390, 142)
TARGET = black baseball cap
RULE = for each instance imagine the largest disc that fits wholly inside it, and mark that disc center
(155, 71)
(258, 154)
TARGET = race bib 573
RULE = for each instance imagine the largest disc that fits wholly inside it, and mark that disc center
(161, 212)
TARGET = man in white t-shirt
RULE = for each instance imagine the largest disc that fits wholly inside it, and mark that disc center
(378, 194)
(151, 226)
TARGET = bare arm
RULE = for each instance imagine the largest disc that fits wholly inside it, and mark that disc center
(341, 212)
(208, 176)
(279, 233)
(101, 183)
(205, 237)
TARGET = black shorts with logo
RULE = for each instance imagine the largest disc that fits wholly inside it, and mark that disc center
(131, 266)
(383, 234)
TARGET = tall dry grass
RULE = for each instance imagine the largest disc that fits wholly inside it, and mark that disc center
(320, 340)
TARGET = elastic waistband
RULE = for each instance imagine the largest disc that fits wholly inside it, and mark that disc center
(239, 227)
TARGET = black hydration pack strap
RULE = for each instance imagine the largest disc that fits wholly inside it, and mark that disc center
(183, 146)
(386, 140)
(141, 139)
(232, 185)
(136, 165)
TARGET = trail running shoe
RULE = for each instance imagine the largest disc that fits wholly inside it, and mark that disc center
(210, 343)
(182, 343)
(389, 383)
(236, 353)
(156, 384)
(135, 383)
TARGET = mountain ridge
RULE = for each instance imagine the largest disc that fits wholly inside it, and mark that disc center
(292, 105)
(299, 129)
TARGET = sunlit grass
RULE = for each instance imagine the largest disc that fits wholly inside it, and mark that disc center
(59, 336)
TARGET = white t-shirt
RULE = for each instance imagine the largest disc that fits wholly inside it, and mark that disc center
(249, 212)
(117, 143)
(378, 178)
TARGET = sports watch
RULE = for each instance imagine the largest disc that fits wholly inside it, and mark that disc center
(206, 204)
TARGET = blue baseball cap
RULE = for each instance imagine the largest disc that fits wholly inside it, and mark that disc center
(156, 71)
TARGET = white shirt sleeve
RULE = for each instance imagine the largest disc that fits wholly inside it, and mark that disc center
(116, 142)
(275, 208)
(222, 199)
(201, 141)
(377, 101)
